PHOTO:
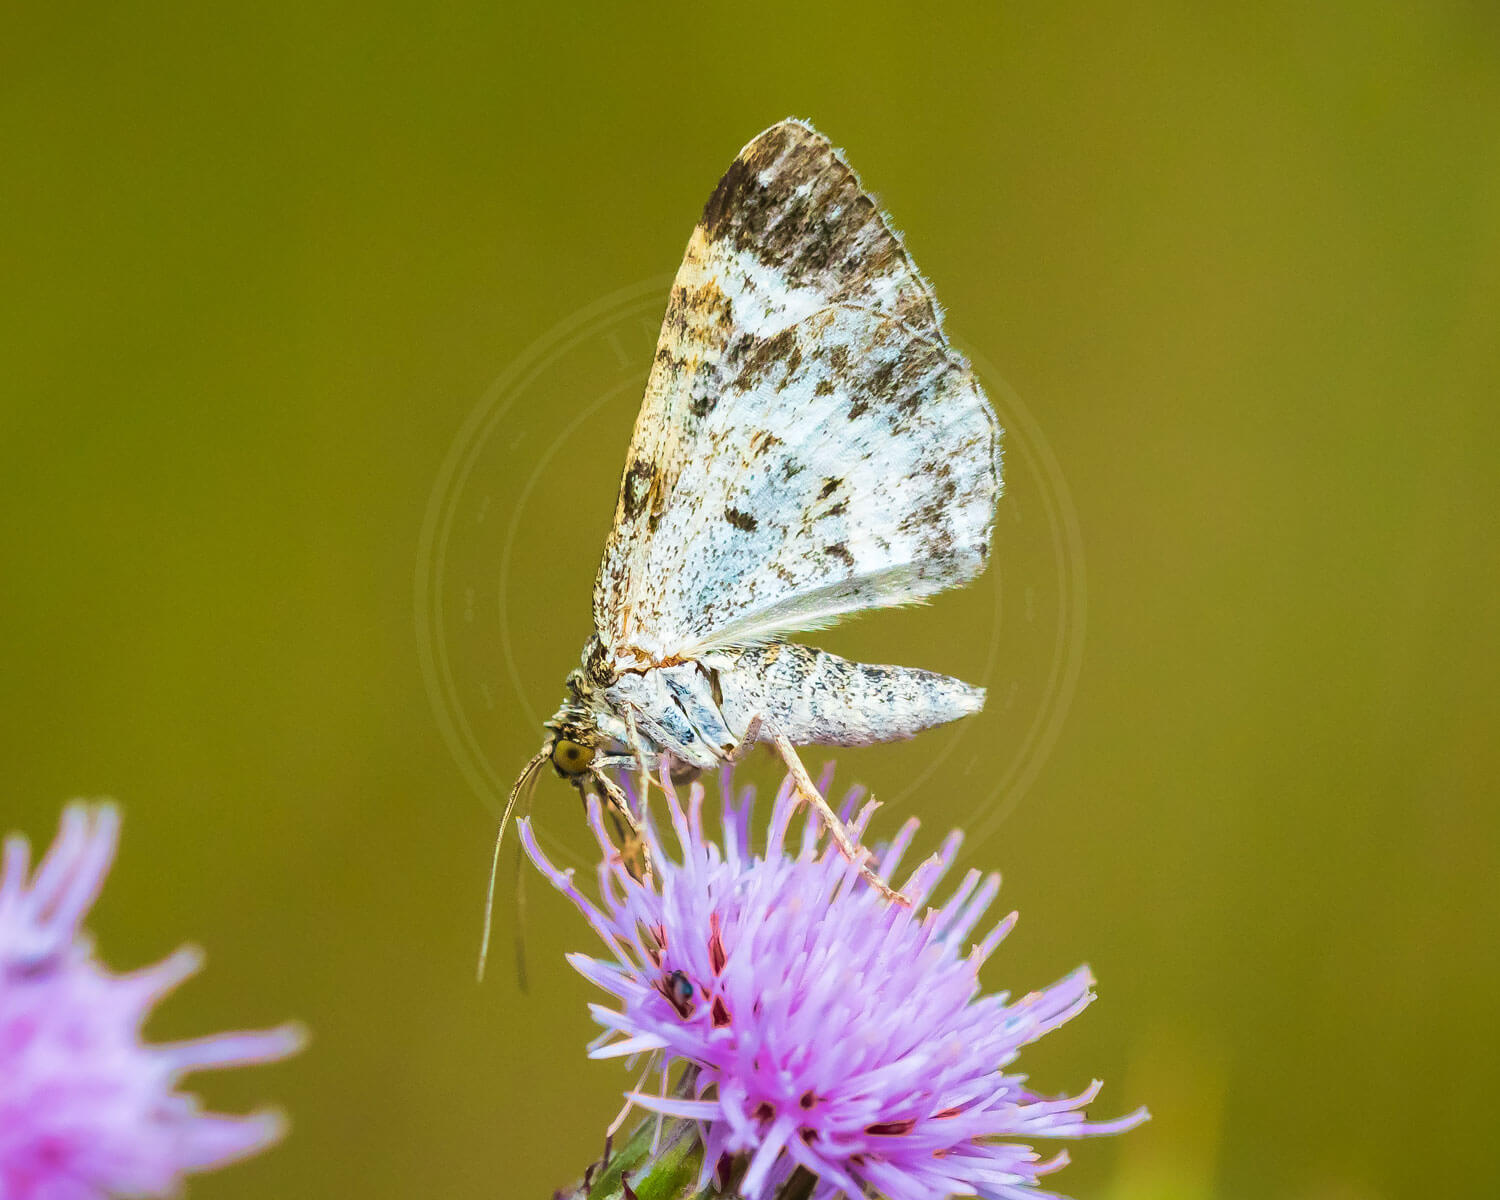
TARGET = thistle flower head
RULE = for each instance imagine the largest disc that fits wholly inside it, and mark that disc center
(826, 1027)
(87, 1109)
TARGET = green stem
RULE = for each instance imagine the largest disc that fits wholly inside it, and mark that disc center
(668, 1174)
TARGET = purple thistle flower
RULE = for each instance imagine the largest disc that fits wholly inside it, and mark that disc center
(87, 1109)
(825, 1027)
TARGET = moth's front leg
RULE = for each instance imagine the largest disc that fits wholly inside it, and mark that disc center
(633, 852)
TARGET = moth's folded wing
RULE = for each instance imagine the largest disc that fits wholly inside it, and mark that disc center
(788, 232)
(852, 464)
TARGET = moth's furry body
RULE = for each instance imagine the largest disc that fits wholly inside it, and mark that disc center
(700, 712)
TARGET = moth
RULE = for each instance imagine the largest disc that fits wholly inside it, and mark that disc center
(809, 446)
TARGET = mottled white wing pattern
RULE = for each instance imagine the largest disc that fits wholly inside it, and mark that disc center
(809, 445)
(868, 479)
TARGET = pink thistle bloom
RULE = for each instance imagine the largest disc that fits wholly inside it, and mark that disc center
(87, 1109)
(828, 1028)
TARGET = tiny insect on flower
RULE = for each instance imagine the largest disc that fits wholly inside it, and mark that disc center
(815, 1024)
(87, 1108)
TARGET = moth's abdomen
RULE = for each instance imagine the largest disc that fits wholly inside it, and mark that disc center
(817, 698)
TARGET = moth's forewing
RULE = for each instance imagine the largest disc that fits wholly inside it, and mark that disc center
(802, 355)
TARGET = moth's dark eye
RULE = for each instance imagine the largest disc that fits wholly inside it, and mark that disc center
(571, 758)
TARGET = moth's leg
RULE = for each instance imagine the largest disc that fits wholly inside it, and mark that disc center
(619, 801)
(614, 762)
(640, 756)
(836, 829)
(637, 857)
(746, 743)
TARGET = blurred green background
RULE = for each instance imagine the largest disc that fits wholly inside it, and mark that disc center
(1242, 272)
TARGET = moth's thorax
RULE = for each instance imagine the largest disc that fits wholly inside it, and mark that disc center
(586, 715)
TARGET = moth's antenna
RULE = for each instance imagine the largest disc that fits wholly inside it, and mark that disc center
(520, 946)
(526, 775)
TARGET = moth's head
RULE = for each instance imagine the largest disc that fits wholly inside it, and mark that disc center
(573, 742)
(571, 759)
